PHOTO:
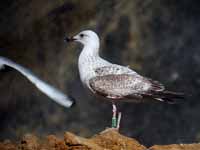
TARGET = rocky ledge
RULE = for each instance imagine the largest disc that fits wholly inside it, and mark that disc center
(109, 139)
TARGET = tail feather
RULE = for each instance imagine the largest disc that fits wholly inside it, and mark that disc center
(171, 94)
(166, 96)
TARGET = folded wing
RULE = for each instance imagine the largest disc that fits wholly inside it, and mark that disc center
(120, 86)
(118, 83)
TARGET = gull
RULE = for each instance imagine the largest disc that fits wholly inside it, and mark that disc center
(44, 87)
(115, 82)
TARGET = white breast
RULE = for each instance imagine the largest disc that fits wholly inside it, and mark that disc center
(87, 65)
(86, 70)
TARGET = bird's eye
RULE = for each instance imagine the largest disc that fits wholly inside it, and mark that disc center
(81, 35)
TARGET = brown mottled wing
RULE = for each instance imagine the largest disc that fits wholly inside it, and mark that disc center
(120, 86)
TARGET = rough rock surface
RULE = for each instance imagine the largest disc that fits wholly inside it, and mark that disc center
(109, 139)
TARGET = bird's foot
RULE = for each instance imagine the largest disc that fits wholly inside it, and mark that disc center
(108, 129)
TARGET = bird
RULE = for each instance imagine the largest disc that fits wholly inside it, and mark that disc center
(52, 92)
(115, 82)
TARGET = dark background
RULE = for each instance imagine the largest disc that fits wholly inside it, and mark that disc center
(157, 38)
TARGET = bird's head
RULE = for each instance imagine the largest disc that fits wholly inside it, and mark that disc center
(87, 38)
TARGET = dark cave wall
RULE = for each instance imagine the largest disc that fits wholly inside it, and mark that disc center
(158, 39)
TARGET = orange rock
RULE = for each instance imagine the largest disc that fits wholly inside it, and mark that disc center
(56, 143)
(7, 145)
(110, 139)
(73, 141)
(29, 142)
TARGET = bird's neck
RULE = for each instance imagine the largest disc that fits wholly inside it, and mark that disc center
(90, 50)
(89, 59)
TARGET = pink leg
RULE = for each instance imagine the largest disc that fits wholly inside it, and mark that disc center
(116, 119)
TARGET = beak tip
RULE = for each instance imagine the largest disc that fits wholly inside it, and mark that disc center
(68, 39)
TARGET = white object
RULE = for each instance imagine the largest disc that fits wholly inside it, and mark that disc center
(44, 87)
(115, 82)
(111, 80)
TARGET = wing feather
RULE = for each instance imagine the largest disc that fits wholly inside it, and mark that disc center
(118, 82)
(119, 86)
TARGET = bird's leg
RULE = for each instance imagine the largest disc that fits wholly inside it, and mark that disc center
(119, 120)
(114, 119)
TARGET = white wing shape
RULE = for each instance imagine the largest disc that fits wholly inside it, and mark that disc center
(46, 88)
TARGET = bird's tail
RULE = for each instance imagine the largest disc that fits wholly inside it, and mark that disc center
(168, 96)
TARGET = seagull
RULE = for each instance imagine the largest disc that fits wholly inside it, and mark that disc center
(115, 82)
(44, 87)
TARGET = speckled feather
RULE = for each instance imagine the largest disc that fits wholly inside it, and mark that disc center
(118, 86)
(113, 69)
